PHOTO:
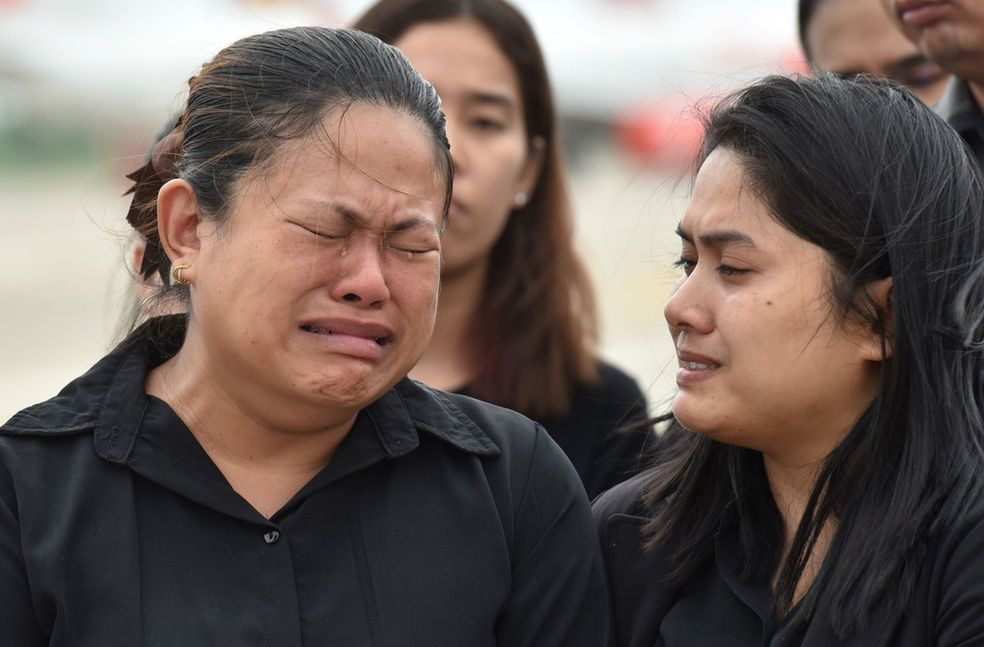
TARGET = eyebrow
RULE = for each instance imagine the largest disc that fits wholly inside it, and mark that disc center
(718, 238)
(352, 217)
(491, 98)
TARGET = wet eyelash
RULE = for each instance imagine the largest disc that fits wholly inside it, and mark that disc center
(685, 264)
(727, 270)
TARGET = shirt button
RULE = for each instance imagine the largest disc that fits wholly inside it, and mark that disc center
(271, 537)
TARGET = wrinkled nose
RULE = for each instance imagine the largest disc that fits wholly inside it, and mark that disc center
(362, 276)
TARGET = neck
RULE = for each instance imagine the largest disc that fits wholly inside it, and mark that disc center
(448, 363)
(792, 485)
(241, 423)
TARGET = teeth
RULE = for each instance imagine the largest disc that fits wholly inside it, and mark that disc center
(320, 331)
(696, 366)
(382, 341)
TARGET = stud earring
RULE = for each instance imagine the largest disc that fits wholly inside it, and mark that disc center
(176, 277)
(520, 199)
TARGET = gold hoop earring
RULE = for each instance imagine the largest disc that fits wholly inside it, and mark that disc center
(176, 274)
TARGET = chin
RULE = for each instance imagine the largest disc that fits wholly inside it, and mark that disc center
(348, 389)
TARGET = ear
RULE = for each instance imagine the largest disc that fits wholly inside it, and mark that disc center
(178, 220)
(530, 173)
(879, 294)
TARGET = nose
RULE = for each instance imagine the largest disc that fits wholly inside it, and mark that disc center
(688, 308)
(361, 276)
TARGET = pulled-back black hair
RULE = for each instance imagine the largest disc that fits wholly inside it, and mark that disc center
(268, 89)
(868, 173)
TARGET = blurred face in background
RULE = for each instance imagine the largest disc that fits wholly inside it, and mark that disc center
(849, 37)
(493, 158)
(950, 32)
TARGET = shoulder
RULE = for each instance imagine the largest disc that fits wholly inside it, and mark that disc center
(956, 559)
(479, 427)
(624, 499)
(641, 590)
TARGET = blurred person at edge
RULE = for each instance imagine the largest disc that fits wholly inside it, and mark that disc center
(951, 33)
(260, 471)
(829, 326)
(517, 321)
(849, 37)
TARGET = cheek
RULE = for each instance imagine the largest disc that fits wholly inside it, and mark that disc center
(504, 167)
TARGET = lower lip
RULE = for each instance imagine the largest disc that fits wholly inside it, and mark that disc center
(351, 345)
(689, 376)
(924, 14)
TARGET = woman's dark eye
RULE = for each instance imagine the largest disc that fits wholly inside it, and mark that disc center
(486, 124)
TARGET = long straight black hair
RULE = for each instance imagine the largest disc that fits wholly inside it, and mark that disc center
(864, 170)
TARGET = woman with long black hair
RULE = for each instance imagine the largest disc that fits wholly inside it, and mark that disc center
(517, 320)
(830, 329)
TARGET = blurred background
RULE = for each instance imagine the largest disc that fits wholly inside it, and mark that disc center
(86, 84)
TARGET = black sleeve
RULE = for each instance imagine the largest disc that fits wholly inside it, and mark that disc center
(17, 622)
(558, 596)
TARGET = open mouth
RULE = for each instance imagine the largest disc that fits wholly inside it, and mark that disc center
(380, 341)
(697, 366)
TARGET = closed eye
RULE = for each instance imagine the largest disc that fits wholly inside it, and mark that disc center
(319, 233)
(727, 270)
(686, 265)
(410, 252)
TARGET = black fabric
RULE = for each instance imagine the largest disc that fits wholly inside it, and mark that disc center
(606, 432)
(716, 607)
(960, 110)
(441, 520)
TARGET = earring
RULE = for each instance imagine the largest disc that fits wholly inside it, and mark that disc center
(520, 199)
(176, 274)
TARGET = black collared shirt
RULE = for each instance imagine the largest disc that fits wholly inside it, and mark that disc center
(440, 521)
(718, 607)
(963, 114)
(606, 431)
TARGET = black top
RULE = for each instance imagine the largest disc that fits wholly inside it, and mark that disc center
(441, 520)
(960, 110)
(716, 607)
(605, 433)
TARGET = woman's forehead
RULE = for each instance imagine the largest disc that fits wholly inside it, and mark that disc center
(372, 156)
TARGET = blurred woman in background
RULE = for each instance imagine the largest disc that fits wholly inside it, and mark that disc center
(517, 323)
(830, 333)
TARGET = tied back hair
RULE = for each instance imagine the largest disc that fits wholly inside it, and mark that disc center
(259, 93)
(864, 170)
